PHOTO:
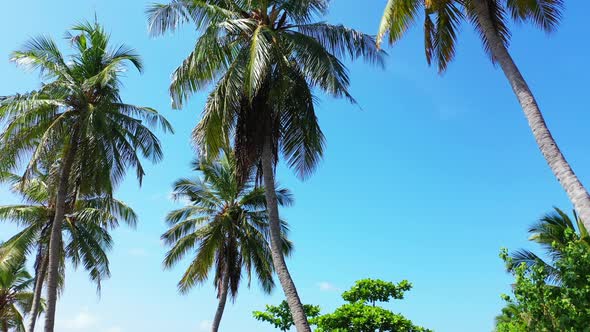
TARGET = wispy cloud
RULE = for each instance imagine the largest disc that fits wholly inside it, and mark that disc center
(325, 286)
(82, 321)
(204, 325)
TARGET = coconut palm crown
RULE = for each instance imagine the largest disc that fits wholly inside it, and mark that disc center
(225, 224)
(262, 52)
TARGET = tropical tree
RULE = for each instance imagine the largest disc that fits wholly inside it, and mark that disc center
(549, 295)
(362, 314)
(512, 319)
(15, 296)
(79, 116)
(263, 58)
(442, 19)
(225, 224)
(89, 219)
(280, 316)
(553, 232)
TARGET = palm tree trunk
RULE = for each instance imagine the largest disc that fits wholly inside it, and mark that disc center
(576, 192)
(278, 259)
(56, 236)
(221, 306)
(4, 326)
(39, 279)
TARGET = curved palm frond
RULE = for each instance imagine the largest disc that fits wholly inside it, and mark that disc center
(442, 20)
(545, 14)
(398, 17)
(554, 231)
(86, 230)
(224, 223)
(14, 295)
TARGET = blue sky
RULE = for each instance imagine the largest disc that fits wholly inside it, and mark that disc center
(426, 182)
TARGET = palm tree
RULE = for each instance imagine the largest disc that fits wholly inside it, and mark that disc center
(86, 228)
(490, 17)
(225, 223)
(553, 232)
(264, 58)
(78, 115)
(14, 295)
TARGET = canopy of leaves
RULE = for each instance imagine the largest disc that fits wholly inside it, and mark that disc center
(552, 232)
(89, 220)
(280, 316)
(15, 295)
(359, 316)
(80, 93)
(264, 60)
(550, 297)
(371, 291)
(225, 225)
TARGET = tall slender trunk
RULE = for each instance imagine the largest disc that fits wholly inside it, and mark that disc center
(221, 306)
(278, 259)
(55, 239)
(576, 192)
(4, 326)
(39, 279)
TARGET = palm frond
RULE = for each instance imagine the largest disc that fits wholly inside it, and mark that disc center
(42, 53)
(224, 223)
(545, 14)
(398, 17)
(345, 42)
(448, 18)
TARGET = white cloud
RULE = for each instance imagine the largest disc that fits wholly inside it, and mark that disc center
(327, 287)
(82, 321)
(204, 325)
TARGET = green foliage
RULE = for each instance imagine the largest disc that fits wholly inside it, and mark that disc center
(77, 119)
(281, 318)
(552, 296)
(359, 316)
(263, 60)
(355, 316)
(552, 232)
(87, 226)
(225, 224)
(15, 297)
(371, 291)
(79, 104)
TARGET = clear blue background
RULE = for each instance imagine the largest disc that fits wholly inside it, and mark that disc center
(426, 182)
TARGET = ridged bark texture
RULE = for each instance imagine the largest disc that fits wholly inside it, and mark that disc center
(39, 279)
(278, 259)
(221, 306)
(56, 236)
